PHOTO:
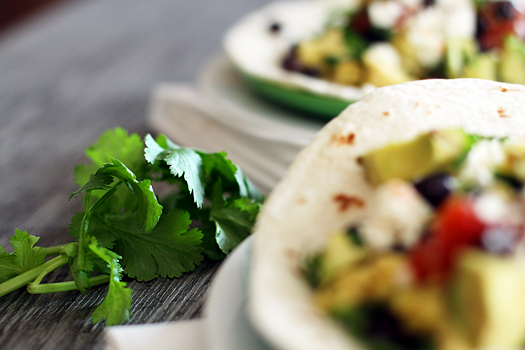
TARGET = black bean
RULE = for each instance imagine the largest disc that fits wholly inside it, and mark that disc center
(435, 188)
(275, 27)
(312, 72)
(291, 61)
(504, 10)
(375, 324)
(511, 181)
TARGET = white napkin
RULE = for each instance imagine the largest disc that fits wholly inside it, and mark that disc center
(179, 112)
(220, 114)
(181, 335)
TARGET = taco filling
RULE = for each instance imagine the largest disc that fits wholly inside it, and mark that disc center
(389, 42)
(438, 259)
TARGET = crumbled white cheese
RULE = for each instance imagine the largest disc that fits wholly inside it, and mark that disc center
(396, 214)
(460, 23)
(496, 206)
(412, 4)
(384, 14)
(481, 161)
(425, 34)
(519, 5)
(429, 29)
(384, 54)
(349, 4)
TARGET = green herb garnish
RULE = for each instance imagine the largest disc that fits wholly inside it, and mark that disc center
(207, 208)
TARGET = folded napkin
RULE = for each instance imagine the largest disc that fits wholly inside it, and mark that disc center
(181, 335)
(220, 114)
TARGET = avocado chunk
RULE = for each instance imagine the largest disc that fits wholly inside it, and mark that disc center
(408, 54)
(487, 300)
(340, 252)
(431, 152)
(459, 53)
(482, 66)
(513, 166)
(383, 66)
(512, 61)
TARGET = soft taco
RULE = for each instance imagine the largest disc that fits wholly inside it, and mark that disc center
(363, 195)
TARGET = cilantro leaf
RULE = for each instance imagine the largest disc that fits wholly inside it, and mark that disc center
(148, 209)
(8, 266)
(182, 162)
(169, 250)
(229, 174)
(24, 258)
(81, 277)
(234, 222)
(97, 181)
(246, 187)
(209, 242)
(154, 148)
(97, 228)
(75, 224)
(144, 213)
(114, 143)
(26, 255)
(115, 307)
(355, 43)
(122, 219)
(217, 162)
(82, 272)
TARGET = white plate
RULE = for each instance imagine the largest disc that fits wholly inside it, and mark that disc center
(257, 51)
(227, 325)
(221, 84)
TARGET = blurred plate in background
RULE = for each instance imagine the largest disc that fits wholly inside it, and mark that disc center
(222, 114)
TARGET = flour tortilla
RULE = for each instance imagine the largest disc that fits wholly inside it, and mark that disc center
(308, 204)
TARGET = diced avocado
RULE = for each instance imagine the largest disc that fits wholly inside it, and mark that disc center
(411, 160)
(487, 300)
(348, 72)
(513, 165)
(482, 66)
(408, 54)
(459, 52)
(314, 52)
(512, 61)
(340, 252)
(375, 278)
(383, 66)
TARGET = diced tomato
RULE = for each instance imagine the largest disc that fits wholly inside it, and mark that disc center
(360, 22)
(497, 20)
(455, 227)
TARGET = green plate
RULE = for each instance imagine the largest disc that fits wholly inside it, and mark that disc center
(297, 99)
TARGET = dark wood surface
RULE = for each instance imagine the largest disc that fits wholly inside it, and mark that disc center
(16, 11)
(65, 76)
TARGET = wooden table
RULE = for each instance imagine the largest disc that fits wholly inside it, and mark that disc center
(65, 77)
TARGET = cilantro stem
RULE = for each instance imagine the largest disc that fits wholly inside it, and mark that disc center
(104, 198)
(54, 264)
(55, 250)
(37, 288)
(28, 276)
(79, 263)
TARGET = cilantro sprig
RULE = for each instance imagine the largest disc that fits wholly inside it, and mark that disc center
(206, 208)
